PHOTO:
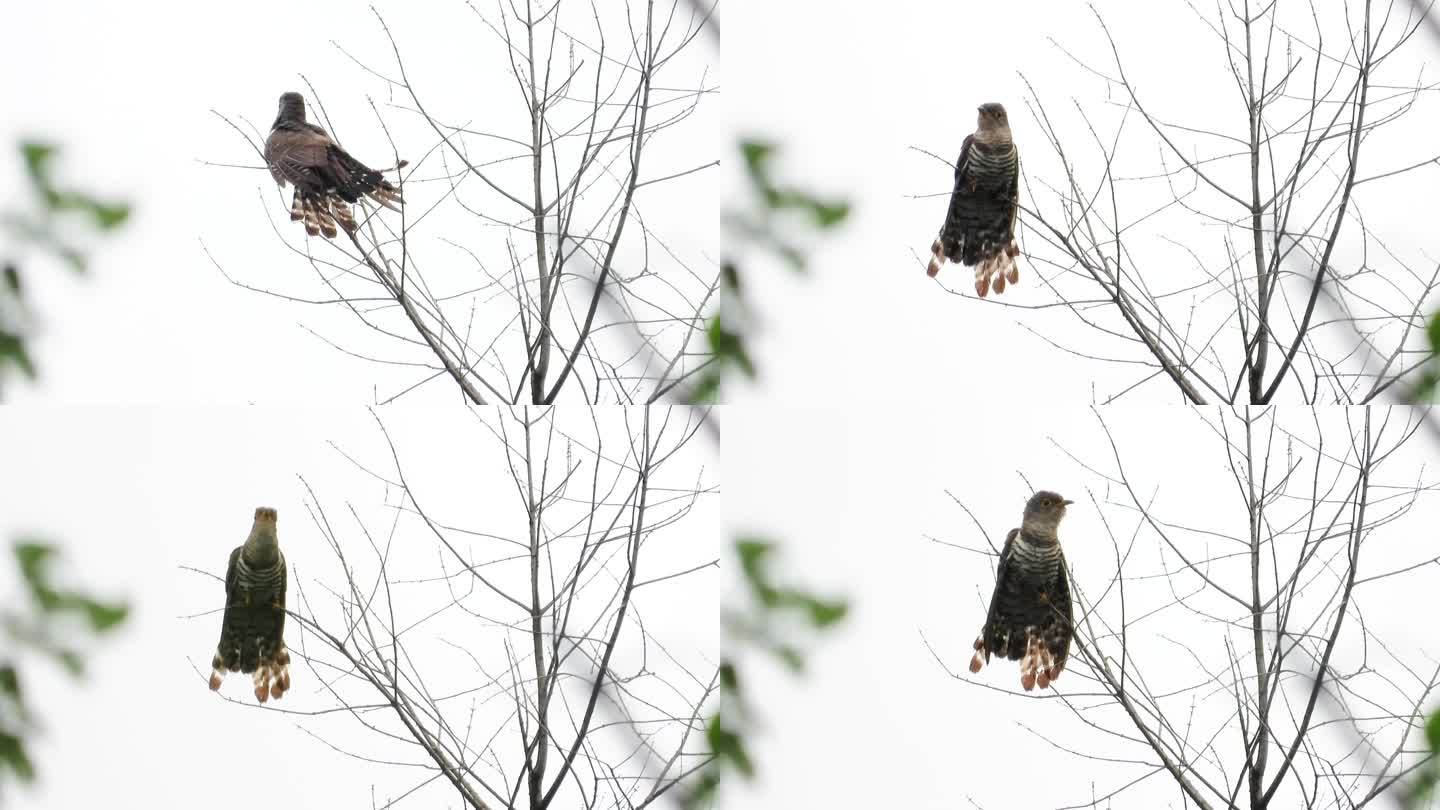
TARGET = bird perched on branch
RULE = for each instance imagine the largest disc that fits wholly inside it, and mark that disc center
(1030, 616)
(979, 229)
(327, 179)
(252, 634)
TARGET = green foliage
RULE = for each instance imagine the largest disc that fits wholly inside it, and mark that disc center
(1430, 376)
(103, 216)
(755, 556)
(769, 226)
(768, 621)
(46, 627)
(44, 229)
(1423, 788)
(774, 614)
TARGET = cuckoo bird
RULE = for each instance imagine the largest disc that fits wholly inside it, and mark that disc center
(979, 229)
(252, 634)
(1030, 617)
(326, 178)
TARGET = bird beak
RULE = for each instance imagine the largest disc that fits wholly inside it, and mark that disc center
(1067, 503)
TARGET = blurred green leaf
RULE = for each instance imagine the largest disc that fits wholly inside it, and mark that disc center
(707, 390)
(758, 228)
(37, 161)
(104, 617)
(824, 614)
(790, 657)
(39, 228)
(40, 632)
(756, 624)
(9, 682)
(728, 746)
(71, 661)
(728, 348)
(730, 276)
(828, 215)
(1425, 389)
(33, 558)
(12, 350)
(756, 154)
(12, 754)
(108, 216)
(729, 681)
(1433, 331)
(1422, 787)
(761, 624)
(752, 553)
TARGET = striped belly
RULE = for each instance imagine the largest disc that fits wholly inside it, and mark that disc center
(993, 166)
(261, 583)
(1039, 561)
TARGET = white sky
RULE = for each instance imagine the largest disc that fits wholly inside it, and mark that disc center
(129, 94)
(132, 494)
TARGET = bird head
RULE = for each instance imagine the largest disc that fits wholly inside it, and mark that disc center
(292, 108)
(1043, 511)
(262, 546)
(992, 118)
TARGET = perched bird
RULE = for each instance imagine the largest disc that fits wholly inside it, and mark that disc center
(1030, 618)
(252, 634)
(326, 178)
(979, 229)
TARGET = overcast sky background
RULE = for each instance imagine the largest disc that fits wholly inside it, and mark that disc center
(128, 95)
(132, 494)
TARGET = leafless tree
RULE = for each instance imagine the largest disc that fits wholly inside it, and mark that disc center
(524, 262)
(1231, 253)
(519, 659)
(1238, 650)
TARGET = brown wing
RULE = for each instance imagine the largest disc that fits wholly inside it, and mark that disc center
(299, 156)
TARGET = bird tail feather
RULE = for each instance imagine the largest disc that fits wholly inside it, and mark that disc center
(315, 211)
(360, 180)
(995, 271)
